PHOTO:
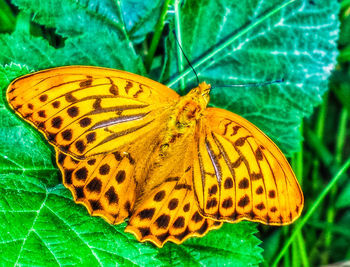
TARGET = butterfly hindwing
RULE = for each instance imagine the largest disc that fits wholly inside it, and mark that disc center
(86, 111)
(100, 184)
(241, 174)
(169, 213)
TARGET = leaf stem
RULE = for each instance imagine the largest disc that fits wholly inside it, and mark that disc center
(156, 36)
(228, 42)
(320, 123)
(179, 54)
(312, 209)
(302, 250)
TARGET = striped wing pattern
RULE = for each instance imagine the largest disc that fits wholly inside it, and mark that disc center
(86, 111)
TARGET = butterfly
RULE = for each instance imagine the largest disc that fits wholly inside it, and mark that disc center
(130, 148)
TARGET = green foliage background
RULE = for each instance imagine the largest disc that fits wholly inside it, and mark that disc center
(228, 42)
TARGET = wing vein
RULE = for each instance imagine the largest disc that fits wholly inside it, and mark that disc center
(214, 161)
(201, 168)
(263, 180)
(117, 120)
(228, 163)
(122, 133)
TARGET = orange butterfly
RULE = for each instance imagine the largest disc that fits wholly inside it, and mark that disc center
(128, 146)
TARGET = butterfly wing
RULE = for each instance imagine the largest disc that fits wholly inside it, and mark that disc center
(109, 184)
(241, 174)
(169, 213)
(100, 184)
(166, 209)
(85, 111)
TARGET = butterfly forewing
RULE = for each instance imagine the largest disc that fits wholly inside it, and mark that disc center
(86, 111)
(241, 174)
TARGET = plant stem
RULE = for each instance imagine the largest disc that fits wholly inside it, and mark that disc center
(313, 208)
(156, 36)
(180, 57)
(338, 158)
(299, 250)
(320, 123)
(302, 250)
(286, 256)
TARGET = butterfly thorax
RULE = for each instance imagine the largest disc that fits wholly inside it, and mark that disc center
(186, 114)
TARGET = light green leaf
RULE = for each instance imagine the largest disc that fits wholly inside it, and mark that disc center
(233, 245)
(55, 231)
(140, 17)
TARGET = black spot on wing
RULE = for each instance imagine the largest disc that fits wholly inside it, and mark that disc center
(94, 185)
(163, 221)
(146, 214)
(95, 204)
(81, 174)
(104, 169)
(179, 222)
(120, 177)
(112, 196)
(244, 201)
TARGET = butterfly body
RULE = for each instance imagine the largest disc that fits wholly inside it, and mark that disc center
(129, 147)
(186, 115)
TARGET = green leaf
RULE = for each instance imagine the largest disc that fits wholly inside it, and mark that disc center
(93, 31)
(36, 52)
(51, 230)
(41, 225)
(7, 18)
(271, 245)
(297, 43)
(343, 200)
(22, 149)
(75, 18)
(140, 17)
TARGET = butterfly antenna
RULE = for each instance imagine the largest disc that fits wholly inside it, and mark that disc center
(189, 63)
(250, 84)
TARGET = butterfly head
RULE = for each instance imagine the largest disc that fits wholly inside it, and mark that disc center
(195, 102)
(201, 94)
(191, 106)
